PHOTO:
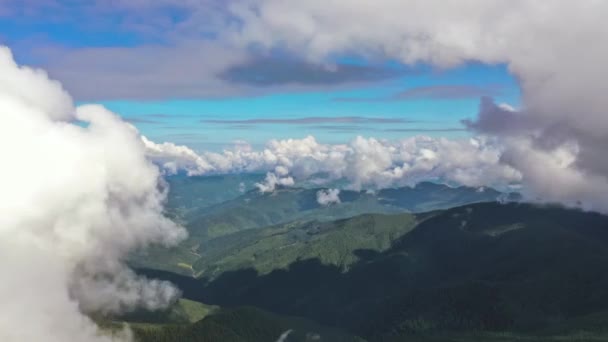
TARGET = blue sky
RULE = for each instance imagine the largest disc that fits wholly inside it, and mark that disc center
(254, 97)
(220, 121)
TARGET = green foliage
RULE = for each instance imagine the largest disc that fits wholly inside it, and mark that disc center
(242, 325)
(481, 267)
(340, 243)
(182, 311)
(497, 337)
(211, 225)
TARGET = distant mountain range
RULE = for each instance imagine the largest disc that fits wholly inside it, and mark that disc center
(208, 223)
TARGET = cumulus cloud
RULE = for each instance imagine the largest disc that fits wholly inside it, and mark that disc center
(273, 180)
(564, 103)
(174, 157)
(364, 162)
(78, 194)
(328, 196)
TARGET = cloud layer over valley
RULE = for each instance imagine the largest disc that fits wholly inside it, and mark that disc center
(364, 162)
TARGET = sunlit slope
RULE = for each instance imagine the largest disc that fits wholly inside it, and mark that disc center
(212, 226)
(339, 243)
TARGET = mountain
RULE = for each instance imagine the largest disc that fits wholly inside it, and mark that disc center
(197, 202)
(484, 267)
(208, 225)
(341, 243)
(427, 196)
(255, 209)
(187, 193)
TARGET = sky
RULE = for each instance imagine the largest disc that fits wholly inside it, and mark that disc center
(379, 93)
(170, 70)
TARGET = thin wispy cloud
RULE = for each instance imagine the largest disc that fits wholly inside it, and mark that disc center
(143, 120)
(434, 92)
(238, 127)
(167, 116)
(358, 128)
(363, 129)
(311, 120)
(449, 92)
(422, 130)
(342, 128)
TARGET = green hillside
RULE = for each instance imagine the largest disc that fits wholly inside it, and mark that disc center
(211, 227)
(484, 267)
(243, 324)
(254, 209)
(332, 243)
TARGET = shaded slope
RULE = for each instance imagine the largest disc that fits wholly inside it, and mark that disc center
(484, 266)
(242, 325)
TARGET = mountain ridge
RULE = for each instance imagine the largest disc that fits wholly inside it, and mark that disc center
(441, 275)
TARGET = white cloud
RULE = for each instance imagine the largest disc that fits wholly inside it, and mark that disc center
(174, 157)
(556, 63)
(271, 182)
(364, 162)
(76, 199)
(328, 196)
(552, 175)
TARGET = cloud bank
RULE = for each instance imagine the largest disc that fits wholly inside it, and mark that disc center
(78, 194)
(364, 162)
